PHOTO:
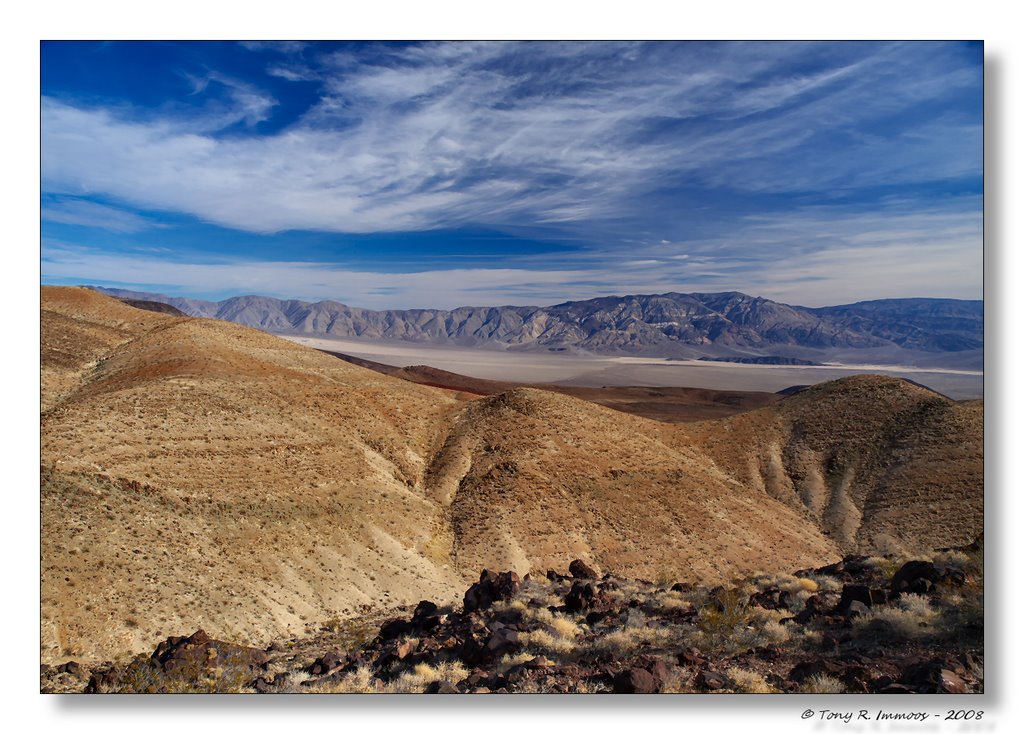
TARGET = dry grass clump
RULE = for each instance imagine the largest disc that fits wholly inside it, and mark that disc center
(293, 683)
(634, 633)
(795, 585)
(557, 635)
(359, 680)
(738, 628)
(825, 584)
(807, 638)
(822, 683)
(416, 680)
(667, 602)
(749, 681)
(512, 660)
(422, 675)
(884, 566)
(565, 627)
(503, 606)
(968, 563)
(911, 616)
(545, 642)
(232, 674)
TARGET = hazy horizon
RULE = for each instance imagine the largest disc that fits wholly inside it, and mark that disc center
(171, 294)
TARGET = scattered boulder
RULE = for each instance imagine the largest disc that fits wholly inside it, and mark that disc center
(325, 664)
(394, 628)
(103, 679)
(853, 593)
(635, 680)
(709, 680)
(580, 597)
(503, 641)
(921, 576)
(819, 666)
(580, 570)
(692, 657)
(200, 651)
(440, 686)
(935, 675)
(856, 609)
(71, 668)
(492, 587)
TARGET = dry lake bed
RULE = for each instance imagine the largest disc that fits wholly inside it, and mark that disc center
(598, 371)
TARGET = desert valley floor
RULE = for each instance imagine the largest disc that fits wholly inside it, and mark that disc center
(599, 371)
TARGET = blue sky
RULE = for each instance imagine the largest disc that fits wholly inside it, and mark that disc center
(444, 174)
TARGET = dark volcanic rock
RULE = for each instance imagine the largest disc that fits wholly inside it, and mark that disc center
(440, 686)
(186, 655)
(581, 570)
(325, 664)
(503, 641)
(103, 679)
(853, 593)
(635, 680)
(856, 609)
(709, 680)
(935, 675)
(821, 666)
(580, 597)
(915, 576)
(184, 661)
(492, 587)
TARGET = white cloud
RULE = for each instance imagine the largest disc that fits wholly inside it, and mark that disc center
(493, 134)
(91, 214)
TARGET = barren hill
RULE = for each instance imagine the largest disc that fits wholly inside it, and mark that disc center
(879, 463)
(201, 473)
(203, 470)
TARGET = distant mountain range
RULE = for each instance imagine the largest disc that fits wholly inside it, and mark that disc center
(666, 325)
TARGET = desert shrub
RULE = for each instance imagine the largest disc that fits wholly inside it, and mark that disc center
(910, 617)
(634, 633)
(749, 681)
(415, 680)
(510, 661)
(885, 567)
(359, 680)
(565, 628)
(228, 674)
(666, 602)
(665, 578)
(822, 683)
(544, 642)
(795, 585)
(825, 584)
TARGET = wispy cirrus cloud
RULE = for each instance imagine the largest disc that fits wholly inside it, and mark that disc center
(92, 214)
(442, 135)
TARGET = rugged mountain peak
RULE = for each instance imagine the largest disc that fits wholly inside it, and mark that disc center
(667, 324)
